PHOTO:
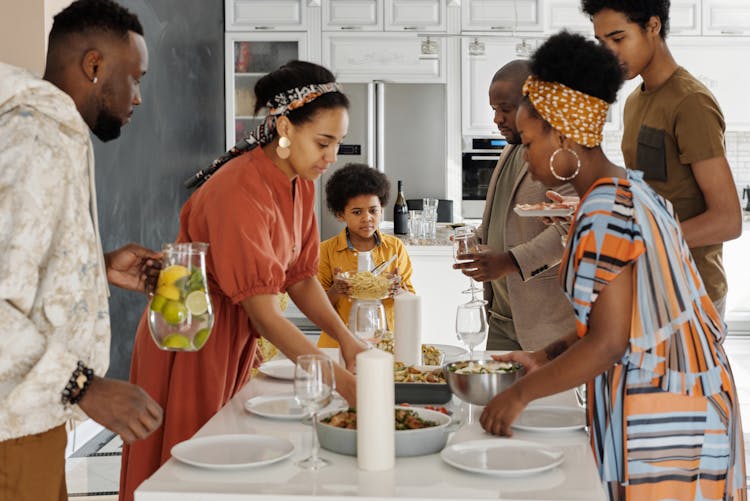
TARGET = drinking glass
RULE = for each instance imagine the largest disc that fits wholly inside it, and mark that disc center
(313, 388)
(465, 241)
(369, 324)
(416, 223)
(180, 315)
(471, 325)
(429, 211)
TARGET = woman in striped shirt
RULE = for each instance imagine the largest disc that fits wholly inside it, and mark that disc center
(662, 405)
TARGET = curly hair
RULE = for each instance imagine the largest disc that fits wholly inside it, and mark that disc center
(637, 11)
(353, 180)
(580, 64)
(298, 74)
(91, 15)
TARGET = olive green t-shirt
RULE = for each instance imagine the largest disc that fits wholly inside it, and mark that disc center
(500, 307)
(666, 130)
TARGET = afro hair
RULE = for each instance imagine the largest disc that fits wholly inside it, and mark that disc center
(353, 180)
(580, 64)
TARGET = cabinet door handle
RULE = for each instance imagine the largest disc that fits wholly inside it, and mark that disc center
(732, 32)
(504, 28)
(264, 27)
(412, 28)
(351, 27)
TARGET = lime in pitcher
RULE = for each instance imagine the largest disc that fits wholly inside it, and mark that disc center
(180, 315)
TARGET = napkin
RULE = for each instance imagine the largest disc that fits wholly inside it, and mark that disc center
(376, 426)
(407, 332)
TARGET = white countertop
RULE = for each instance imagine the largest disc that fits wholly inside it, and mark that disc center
(425, 477)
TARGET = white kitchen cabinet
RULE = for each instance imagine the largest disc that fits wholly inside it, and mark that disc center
(415, 15)
(726, 17)
(501, 15)
(352, 15)
(439, 286)
(720, 63)
(476, 76)
(264, 15)
(566, 14)
(364, 57)
(249, 56)
(685, 17)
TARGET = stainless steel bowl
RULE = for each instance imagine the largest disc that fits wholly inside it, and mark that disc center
(408, 442)
(478, 389)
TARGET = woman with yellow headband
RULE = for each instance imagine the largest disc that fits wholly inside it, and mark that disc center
(255, 208)
(662, 405)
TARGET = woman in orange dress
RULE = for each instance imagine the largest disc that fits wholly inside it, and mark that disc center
(257, 215)
(663, 412)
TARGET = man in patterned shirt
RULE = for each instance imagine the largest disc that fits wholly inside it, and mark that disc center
(53, 275)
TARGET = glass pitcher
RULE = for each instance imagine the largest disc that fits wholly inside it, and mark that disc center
(180, 315)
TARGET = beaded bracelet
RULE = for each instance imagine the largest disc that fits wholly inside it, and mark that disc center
(77, 384)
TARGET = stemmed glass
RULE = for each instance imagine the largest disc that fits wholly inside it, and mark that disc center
(465, 241)
(471, 325)
(313, 388)
(369, 321)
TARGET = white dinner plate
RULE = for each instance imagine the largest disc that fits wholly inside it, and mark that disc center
(232, 451)
(542, 212)
(551, 418)
(286, 407)
(277, 407)
(451, 352)
(507, 457)
(279, 369)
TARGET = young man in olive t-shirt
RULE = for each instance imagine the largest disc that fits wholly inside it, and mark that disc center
(674, 132)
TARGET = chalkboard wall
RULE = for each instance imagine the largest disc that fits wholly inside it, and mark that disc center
(178, 128)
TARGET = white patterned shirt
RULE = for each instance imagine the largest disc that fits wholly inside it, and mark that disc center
(53, 290)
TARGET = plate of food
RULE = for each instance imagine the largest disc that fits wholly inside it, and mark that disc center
(423, 384)
(544, 209)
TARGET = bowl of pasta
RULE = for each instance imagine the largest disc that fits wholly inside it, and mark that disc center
(365, 285)
(418, 431)
(478, 381)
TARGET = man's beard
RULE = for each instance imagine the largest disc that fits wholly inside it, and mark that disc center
(107, 126)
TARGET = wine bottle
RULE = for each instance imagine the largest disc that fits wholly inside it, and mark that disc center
(400, 212)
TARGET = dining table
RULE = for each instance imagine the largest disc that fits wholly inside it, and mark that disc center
(412, 478)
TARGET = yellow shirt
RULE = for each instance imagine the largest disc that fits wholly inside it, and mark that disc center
(336, 253)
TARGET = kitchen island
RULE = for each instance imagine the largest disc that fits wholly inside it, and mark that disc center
(424, 477)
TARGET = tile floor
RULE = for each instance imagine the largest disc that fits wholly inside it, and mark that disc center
(93, 471)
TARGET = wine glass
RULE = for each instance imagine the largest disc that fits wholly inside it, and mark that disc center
(465, 241)
(369, 324)
(313, 388)
(471, 325)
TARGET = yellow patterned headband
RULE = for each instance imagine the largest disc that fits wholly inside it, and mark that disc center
(579, 116)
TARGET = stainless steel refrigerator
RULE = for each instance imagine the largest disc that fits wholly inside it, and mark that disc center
(399, 129)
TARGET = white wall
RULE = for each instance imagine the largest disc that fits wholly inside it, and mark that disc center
(24, 25)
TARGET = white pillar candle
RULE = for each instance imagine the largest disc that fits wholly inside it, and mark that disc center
(376, 424)
(407, 332)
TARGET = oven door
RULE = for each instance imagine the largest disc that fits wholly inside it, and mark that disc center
(476, 173)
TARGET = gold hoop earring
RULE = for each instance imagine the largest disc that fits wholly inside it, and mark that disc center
(282, 150)
(552, 167)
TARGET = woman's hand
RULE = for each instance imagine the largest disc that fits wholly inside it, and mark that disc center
(529, 360)
(351, 346)
(569, 201)
(502, 411)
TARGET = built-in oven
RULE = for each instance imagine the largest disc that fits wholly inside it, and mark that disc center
(479, 158)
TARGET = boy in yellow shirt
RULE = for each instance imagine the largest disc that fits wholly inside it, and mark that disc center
(356, 195)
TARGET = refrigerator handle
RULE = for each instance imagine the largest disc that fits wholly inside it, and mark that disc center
(371, 124)
(380, 123)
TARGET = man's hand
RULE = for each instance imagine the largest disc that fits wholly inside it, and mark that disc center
(486, 265)
(133, 267)
(121, 407)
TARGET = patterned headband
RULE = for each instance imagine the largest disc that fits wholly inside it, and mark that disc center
(281, 104)
(579, 116)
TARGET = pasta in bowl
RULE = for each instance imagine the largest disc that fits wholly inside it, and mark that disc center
(365, 285)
